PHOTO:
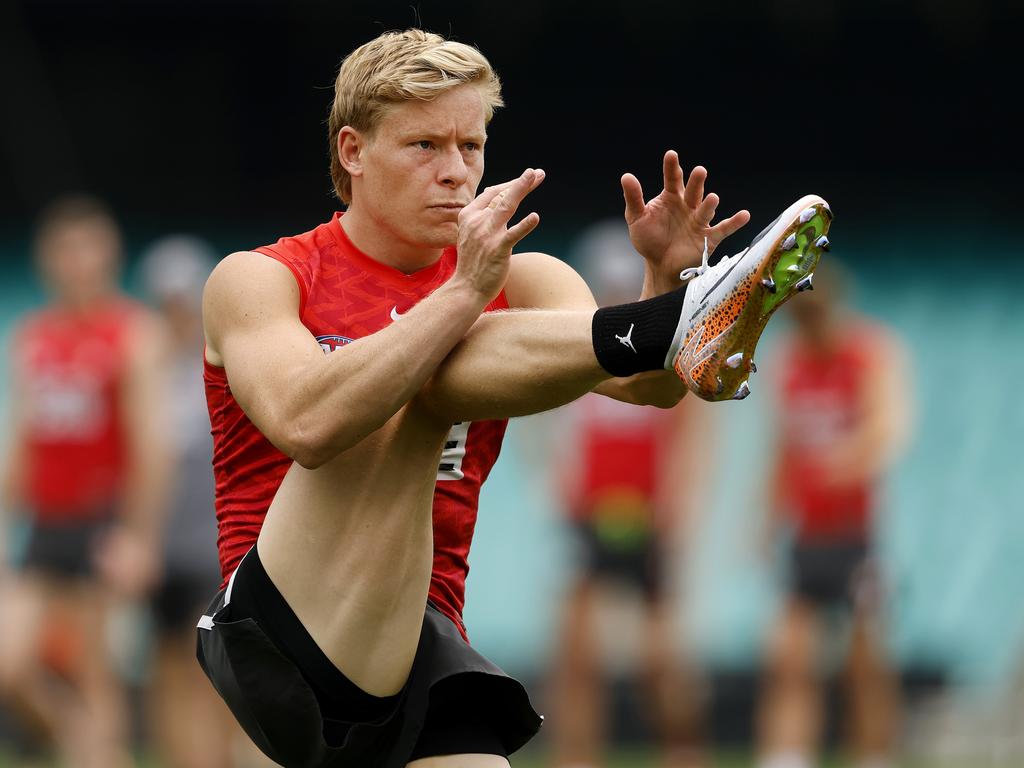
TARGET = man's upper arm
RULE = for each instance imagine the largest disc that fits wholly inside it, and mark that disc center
(145, 377)
(252, 326)
(539, 281)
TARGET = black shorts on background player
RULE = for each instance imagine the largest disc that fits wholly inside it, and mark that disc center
(302, 712)
(178, 598)
(829, 574)
(65, 550)
(634, 560)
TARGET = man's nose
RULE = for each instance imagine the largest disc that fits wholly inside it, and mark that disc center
(453, 171)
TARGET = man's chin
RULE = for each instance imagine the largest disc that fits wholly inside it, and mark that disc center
(441, 235)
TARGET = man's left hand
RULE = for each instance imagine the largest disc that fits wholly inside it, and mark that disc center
(669, 230)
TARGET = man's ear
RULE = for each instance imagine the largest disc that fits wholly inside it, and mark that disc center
(351, 144)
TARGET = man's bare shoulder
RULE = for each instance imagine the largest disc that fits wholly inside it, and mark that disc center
(539, 280)
(528, 261)
(250, 277)
(244, 290)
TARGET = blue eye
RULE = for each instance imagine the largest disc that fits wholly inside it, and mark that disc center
(471, 146)
(424, 144)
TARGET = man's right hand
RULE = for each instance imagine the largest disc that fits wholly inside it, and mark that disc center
(485, 240)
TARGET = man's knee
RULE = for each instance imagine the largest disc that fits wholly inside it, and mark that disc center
(460, 761)
(17, 670)
(792, 651)
(19, 643)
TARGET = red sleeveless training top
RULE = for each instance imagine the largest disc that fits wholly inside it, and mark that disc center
(615, 448)
(345, 295)
(821, 403)
(71, 366)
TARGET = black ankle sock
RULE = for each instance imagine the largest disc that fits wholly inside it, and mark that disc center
(632, 338)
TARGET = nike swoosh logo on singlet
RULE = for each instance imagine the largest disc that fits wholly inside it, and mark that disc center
(395, 314)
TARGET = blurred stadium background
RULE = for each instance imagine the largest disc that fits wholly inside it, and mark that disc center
(208, 118)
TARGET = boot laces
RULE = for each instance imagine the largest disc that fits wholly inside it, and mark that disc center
(691, 272)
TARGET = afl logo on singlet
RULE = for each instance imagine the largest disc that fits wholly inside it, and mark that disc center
(331, 343)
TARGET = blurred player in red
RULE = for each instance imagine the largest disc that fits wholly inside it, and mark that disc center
(624, 473)
(843, 411)
(85, 473)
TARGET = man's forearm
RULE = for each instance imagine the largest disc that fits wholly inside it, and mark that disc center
(380, 373)
(144, 496)
(515, 364)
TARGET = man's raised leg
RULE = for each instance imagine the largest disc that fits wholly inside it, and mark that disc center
(349, 544)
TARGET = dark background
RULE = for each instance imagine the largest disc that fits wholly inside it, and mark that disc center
(209, 116)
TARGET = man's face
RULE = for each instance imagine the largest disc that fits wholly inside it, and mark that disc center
(80, 259)
(814, 314)
(422, 165)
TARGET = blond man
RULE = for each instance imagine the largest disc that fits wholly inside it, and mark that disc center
(348, 481)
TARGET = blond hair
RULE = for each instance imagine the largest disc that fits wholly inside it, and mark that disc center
(396, 67)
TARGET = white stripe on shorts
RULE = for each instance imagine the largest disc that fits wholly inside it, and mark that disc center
(206, 622)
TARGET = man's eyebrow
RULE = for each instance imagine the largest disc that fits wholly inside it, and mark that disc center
(413, 134)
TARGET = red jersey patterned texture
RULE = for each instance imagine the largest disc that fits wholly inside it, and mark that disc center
(70, 366)
(345, 295)
(821, 404)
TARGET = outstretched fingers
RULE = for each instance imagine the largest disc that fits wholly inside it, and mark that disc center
(706, 210)
(518, 231)
(492, 209)
(507, 201)
(502, 195)
(726, 227)
(634, 196)
(672, 172)
(694, 193)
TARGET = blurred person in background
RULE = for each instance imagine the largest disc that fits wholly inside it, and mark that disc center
(86, 472)
(623, 473)
(189, 720)
(843, 410)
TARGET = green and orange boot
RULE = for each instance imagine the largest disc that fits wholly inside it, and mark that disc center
(727, 306)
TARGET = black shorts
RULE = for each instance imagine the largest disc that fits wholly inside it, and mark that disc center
(830, 575)
(302, 712)
(179, 598)
(65, 550)
(634, 561)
